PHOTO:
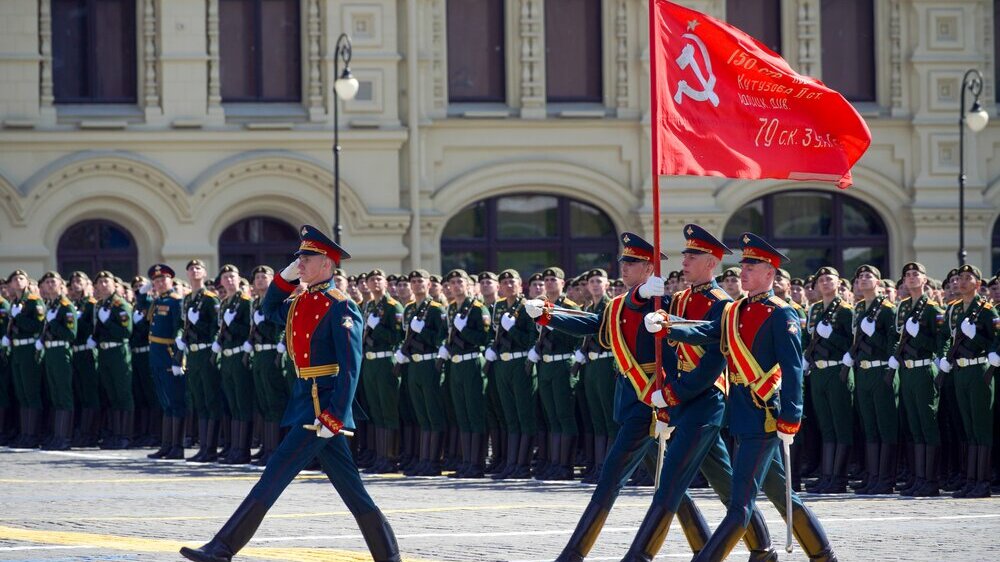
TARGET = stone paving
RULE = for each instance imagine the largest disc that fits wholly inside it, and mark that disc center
(95, 505)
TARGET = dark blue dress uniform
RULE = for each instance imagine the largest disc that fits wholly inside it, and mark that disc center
(620, 327)
(760, 338)
(165, 324)
(323, 328)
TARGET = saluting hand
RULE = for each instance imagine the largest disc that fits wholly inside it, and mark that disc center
(291, 272)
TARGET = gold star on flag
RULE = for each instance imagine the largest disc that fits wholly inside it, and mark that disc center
(693, 24)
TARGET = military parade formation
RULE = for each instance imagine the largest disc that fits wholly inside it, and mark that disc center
(877, 386)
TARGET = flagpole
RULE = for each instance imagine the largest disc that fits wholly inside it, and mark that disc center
(654, 142)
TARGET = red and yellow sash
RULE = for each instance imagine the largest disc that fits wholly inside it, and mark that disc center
(627, 364)
(689, 355)
(746, 370)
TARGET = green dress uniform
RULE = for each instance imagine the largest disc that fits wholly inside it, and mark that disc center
(383, 332)
(598, 375)
(27, 318)
(143, 389)
(55, 348)
(517, 386)
(556, 387)
(269, 384)
(112, 329)
(204, 382)
(5, 388)
(410, 443)
(831, 393)
(922, 338)
(469, 330)
(495, 422)
(237, 380)
(86, 385)
(973, 330)
(877, 390)
(426, 328)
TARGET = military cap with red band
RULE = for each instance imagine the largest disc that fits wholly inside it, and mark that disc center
(314, 242)
(701, 241)
(758, 250)
(634, 248)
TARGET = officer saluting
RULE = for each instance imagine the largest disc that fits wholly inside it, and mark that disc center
(323, 328)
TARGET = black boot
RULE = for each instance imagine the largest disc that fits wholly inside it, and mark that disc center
(377, 465)
(4, 438)
(970, 472)
(693, 524)
(982, 487)
(510, 457)
(810, 535)
(919, 472)
(476, 462)
(424, 454)
(271, 439)
(565, 466)
(379, 537)
(758, 539)
(241, 443)
(523, 469)
(838, 483)
(233, 536)
(585, 534)
(829, 450)
(62, 431)
(931, 487)
(176, 439)
(211, 442)
(433, 466)
(723, 540)
(128, 428)
(29, 428)
(165, 435)
(886, 470)
(871, 470)
(202, 441)
(83, 431)
(225, 437)
(651, 534)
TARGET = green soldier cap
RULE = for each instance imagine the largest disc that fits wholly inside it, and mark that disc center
(508, 274)
(580, 279)
(798, 282)
(899, 284)
(340, 272)
(104, 274)
(868, 268)
(731, 272)
(194, 262)
(845, 283)
(51, 275)
(951, 273)
(229, 268)
(598, 272)
(184, 283)
(121, 281)
(79, 274)
(138, 281)
(456, 274)
(261, 269)
(487, 275)
(362, 277)
(352, 279)
(971, 269)
(419, 274)
(674, 275)
(618, 283)
(811, 281)
(391, 278)
(554, 272)
(535, 277)
(15, 273)
(435, 278)
(782, 273)
(376, 273)
(914, 266)
(995, 280)
(827, 270)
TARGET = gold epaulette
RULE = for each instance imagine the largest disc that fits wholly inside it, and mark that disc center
(64, 301)
(987, 305)
(33, 297)
(570, 303)
(776, 301)
(436, 303)
(211, 294)
(931, 302)
(719, 294)
(91, 300)
(391, 301)
(956, 301)
(845, 305)
(909, 299)
(477, 302)
(795, 305)
(887, 303)
(245, 296)
(336, 294)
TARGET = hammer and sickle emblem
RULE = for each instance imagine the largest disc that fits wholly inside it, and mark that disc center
(686, 59)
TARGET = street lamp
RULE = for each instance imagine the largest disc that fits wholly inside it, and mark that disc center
(976, 119)
(345, 87)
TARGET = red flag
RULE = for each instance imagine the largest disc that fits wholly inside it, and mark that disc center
(725, 105)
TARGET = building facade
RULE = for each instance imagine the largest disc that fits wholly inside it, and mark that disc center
(485, 133)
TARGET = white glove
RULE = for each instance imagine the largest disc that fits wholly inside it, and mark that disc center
(323, 431)
(663, 430)
(912, 327)
(490, 354)
(15, 310)
(179, 342)
(868, 326)
(443, 353)
(653, 322)
(944, 365)
(994, 359)
(533, 356)
(103, 314)
(805, 366)
(216, 348)
(400, 357)
(579, 357)
(258, 317)
(5, 342)
(534, 307)
(193, 315)
(893, 362)
(247, 347)
(848, 360)
(177, 370)
(653, 287)
(372, 320)
(228, 316)
(786, 438)
(507, 321)
(417, 325)
(136, 316)
(91, 344)
(145, 287)
(39, 345)
(281, 348)
(658, 400)
(78, 313)
(291, 272)
(460, 322)
(50, 314)
(968, 328)
(824, 329)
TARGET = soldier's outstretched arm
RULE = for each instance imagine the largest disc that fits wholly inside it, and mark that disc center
(706, 333)
(584, 324)
(705, 374)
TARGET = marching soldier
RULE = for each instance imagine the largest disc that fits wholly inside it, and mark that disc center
(598, 376)
(383, 332)
(468, 333)
(27, 316)
(112, 329)
(86, 384)
(536, 286)
(237, 382)
(552, 355)
(730, 283)
(5, 388)
(973, 324)
(200, 311)
(165, 325)
(147, 408)
(54, 346)
(267, 364)
(325, 345)
(830, 323)
(876, 385)
(919, 320)
(426, 327)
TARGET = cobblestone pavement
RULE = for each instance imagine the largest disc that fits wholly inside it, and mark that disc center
(117, 505)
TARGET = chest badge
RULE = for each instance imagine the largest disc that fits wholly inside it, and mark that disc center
(793, 327)
(347, 323)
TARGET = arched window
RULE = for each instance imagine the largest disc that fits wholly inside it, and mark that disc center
(815, 228)
(529, 232)
(257, 241)
(95, 245)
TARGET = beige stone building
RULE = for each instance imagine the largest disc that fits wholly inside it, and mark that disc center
(485, 133)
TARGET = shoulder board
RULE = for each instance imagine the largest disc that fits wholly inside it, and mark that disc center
(845, 305)
(211, 294)
(174, 295)
(795, 305)
(244, 296)
(932, 302)
(436, 303)
(956, 301)
(719, 294)
(64, 301)
(887, 303)
(391, 301)
(570, 303)
(91, 300)
(33, 297)
(336, 294)
(908, 299)
(987, 305)
(778, 302)
(116, 301)
(859, 304)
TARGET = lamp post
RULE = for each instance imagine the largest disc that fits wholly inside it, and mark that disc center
(345, 87)
(976, 119)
